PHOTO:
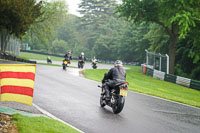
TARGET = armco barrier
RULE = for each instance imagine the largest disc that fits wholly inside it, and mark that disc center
(149, 72)
(158, 74)
(7, 56)
(195, 84)
(170, 78)
(183, 81)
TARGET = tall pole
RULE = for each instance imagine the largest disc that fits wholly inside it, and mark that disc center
(147, 58)
(160, 62)
(167, 64)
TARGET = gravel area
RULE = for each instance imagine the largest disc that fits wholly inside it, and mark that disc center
(7, 124)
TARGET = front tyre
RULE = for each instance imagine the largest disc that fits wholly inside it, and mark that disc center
(117, 108)
(79, 65)
(82, 64)
(64, 67)
(102, 104)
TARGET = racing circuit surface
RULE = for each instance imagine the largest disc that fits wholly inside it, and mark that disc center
(76, 100)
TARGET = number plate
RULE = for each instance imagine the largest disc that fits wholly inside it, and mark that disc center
(65, 62)
(123, 92)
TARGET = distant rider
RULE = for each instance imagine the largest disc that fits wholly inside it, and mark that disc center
(49, 59)
(94, 60)
(81, 59)
(68, 56)
(114, 76)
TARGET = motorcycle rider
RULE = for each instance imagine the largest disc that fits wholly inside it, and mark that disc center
(94, 60)
(49, 59)
(114, 76)
(81, 59)
(68, 56)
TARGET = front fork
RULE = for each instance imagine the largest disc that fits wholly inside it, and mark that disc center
(102, 91)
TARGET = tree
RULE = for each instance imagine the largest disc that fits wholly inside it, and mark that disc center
(94, 11)
(18, 15)
(188, 55)
(59, 47)
(133, 43)
(71, 32)
(16, 18)
(95, 21)
(44, 29)
(175, 16)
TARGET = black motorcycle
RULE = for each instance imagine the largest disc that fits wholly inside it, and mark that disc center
(94, 65)
(81, 64)
(49, 61)
(118, 94)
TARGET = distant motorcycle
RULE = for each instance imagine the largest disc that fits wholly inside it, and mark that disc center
(118, 94)
(49, 60)
(81, 64)
(65, 64)
(94, 65)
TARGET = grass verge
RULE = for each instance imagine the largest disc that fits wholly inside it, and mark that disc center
(27, 55)
(27, 124)
(148, 85)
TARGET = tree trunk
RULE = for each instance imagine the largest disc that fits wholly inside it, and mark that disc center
(172, 48)
(4, 38)
(172, 54)
(173, 33)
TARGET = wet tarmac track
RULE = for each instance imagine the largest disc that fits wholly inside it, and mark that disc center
(76, 100)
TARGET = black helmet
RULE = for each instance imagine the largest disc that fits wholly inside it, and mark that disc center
(118, 62)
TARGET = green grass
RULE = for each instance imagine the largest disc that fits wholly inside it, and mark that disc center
(27, 124)
(39, 56)
(148, 85)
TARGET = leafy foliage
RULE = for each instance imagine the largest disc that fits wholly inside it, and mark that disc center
(59, 46)
(18, 15)
(177, 17)
(16, 18)
(43, 31)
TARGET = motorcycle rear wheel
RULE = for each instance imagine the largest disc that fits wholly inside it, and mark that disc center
(119, 105)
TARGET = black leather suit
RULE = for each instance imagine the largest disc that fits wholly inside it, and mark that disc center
(114, 76)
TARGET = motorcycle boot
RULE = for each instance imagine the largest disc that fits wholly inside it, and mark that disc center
(107, 93)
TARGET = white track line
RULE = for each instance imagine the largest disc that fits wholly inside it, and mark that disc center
(54, 117)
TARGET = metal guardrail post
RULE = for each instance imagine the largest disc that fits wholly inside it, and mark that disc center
(160, 62)
(147, 60)
(167, 64)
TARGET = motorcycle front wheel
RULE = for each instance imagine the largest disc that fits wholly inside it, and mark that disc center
(64, 67)
(94, 67)
(102, 104)
(82, 66)
(117, 108)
